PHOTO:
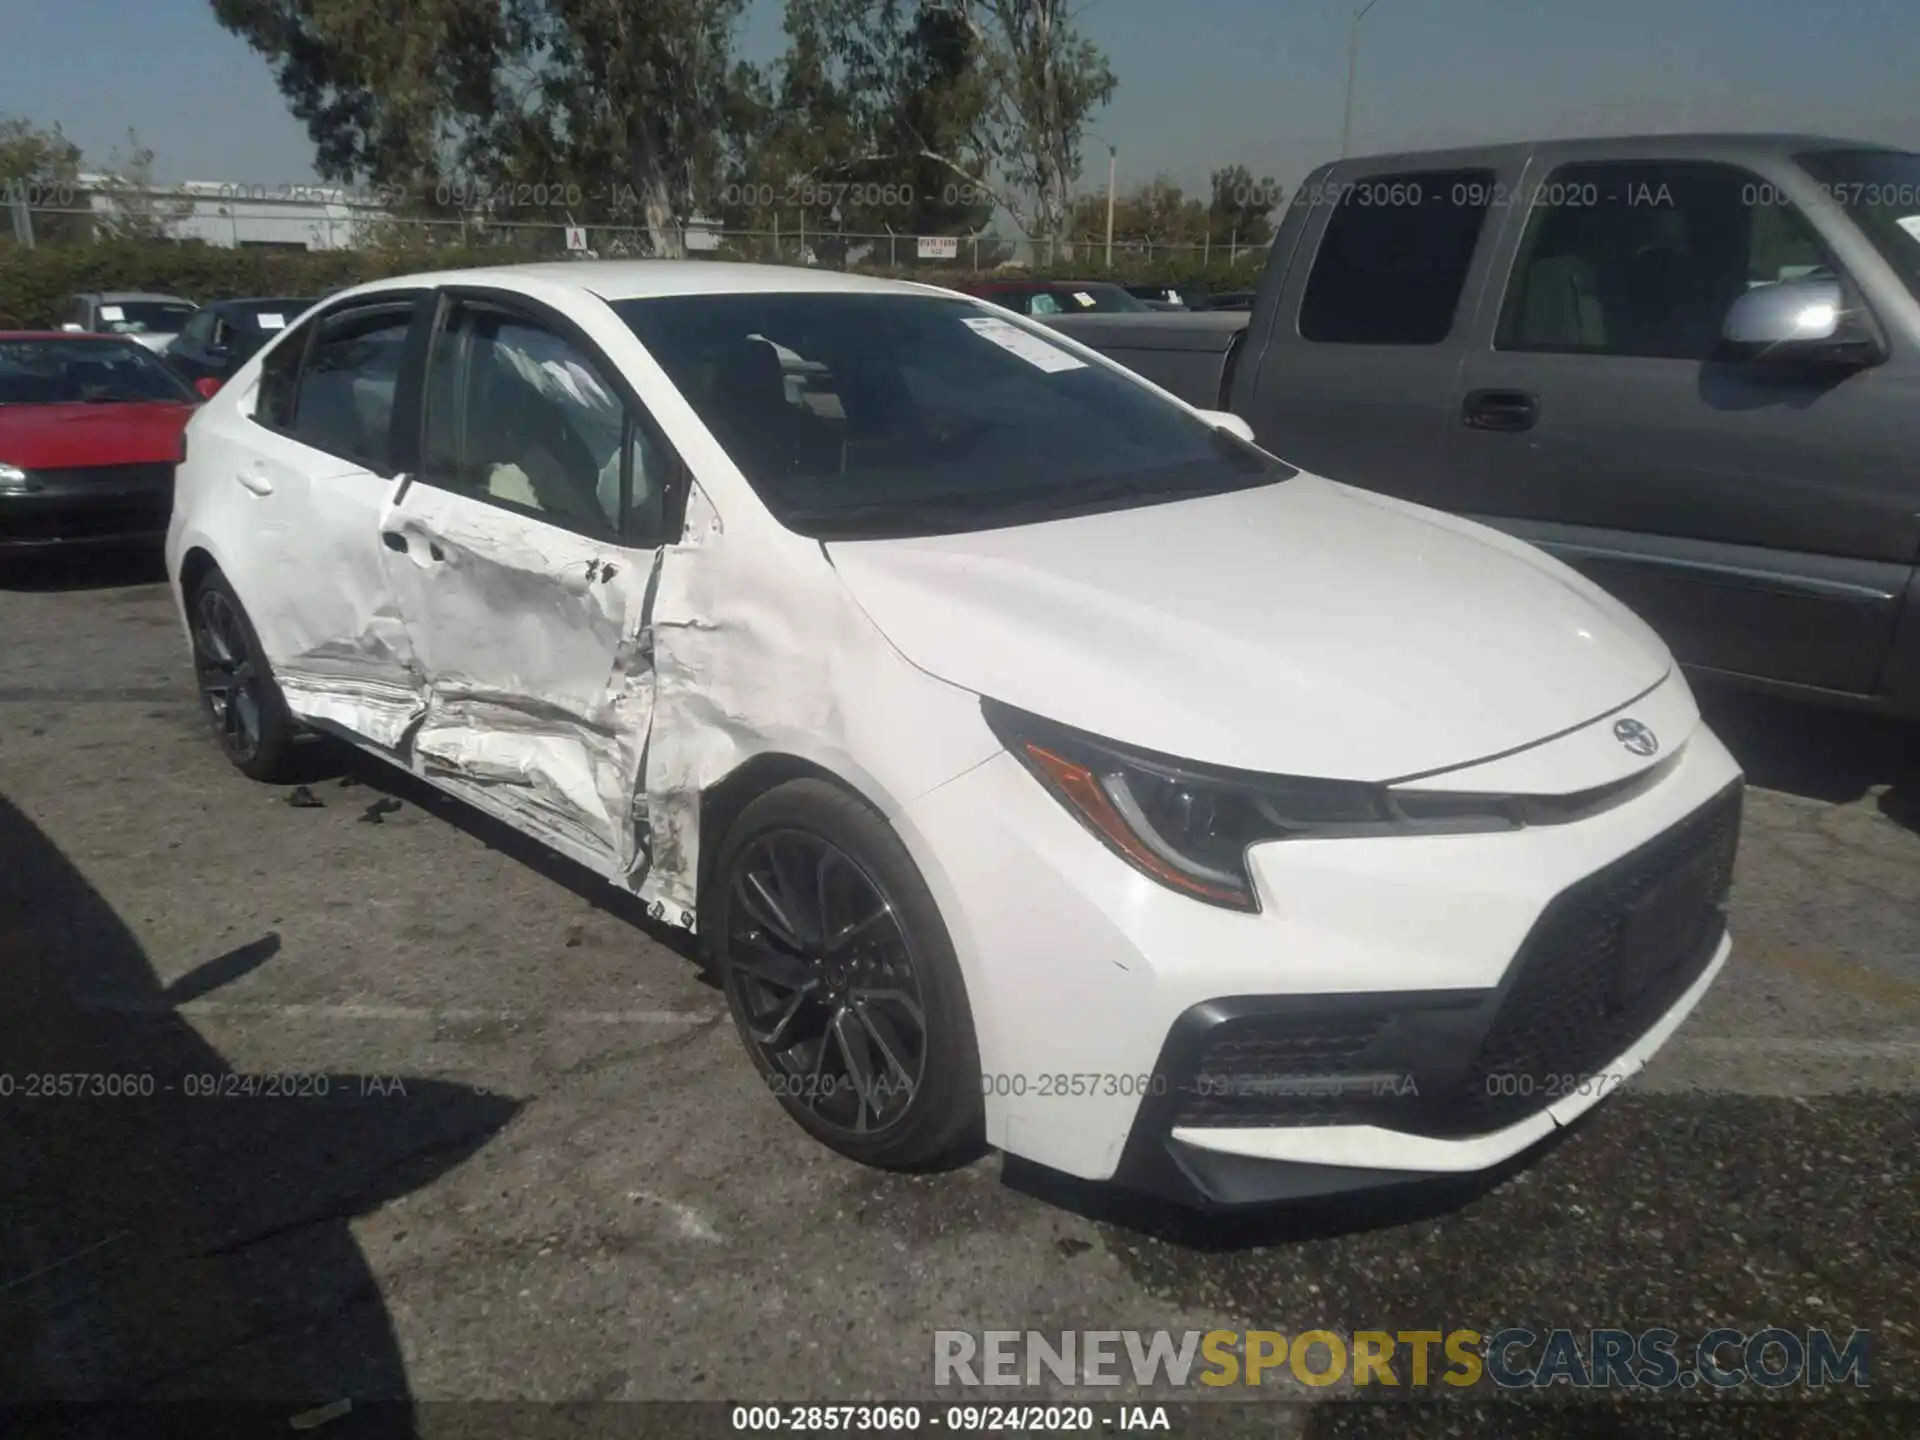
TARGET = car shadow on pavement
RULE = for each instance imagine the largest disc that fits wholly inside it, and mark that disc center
(91, 567)
(1838, 756)
(338, 766)
(172, 1230)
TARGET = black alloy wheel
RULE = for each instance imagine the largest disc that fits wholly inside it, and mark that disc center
(842, 979)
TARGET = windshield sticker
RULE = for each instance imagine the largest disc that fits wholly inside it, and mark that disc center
(112, 312)
(1085, 299)
(1030, 348)
(272, 322)
(1910, 224)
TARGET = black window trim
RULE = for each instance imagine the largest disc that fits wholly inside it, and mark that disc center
(558, 323)
(1343, 183)
(1856, 297)
(301, 336)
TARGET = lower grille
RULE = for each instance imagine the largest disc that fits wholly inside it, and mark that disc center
(1303, 1067)
(1610, 956)
(84, 522)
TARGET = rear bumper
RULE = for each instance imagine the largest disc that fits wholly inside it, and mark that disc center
(89, 509)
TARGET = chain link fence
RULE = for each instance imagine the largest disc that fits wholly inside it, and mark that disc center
(316, 218)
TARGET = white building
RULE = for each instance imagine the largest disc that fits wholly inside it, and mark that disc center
(218, 212)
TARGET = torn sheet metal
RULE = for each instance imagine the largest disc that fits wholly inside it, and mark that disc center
(537, 688)
(758, 648)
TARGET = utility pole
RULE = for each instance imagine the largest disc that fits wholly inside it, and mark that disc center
(1113, 172)
(1353, 65)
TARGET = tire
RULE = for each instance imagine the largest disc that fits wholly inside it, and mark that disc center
(910, 1105)
(253, 726)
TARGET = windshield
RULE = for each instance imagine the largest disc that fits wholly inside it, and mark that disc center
(83, 372)
(1088, 299)
(142, 317)
(868, 415)
(1880, 190)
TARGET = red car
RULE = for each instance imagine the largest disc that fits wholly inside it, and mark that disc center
(90, 430)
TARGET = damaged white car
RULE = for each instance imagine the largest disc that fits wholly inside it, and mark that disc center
(1042, 763)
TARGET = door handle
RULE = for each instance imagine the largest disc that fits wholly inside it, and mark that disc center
(1500, 409)
(256, 482)
(395, 540)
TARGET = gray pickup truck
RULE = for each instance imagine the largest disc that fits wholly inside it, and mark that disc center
(1687, 365)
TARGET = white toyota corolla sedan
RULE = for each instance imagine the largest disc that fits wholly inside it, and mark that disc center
(1041, 763)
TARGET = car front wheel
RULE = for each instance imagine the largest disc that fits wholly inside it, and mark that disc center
(843, 982)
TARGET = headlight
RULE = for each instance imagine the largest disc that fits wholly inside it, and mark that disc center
(1189, 826)
(12, 477)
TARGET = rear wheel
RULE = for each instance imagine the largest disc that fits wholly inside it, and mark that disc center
(237, 690)
(843, 982)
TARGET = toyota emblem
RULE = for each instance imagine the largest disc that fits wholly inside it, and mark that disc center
(1635, 736)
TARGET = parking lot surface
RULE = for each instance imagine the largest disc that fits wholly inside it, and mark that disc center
(509, 1147)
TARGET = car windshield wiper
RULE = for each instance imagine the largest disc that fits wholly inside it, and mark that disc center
(1009, 506)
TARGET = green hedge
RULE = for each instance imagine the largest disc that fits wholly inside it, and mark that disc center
(35, 284)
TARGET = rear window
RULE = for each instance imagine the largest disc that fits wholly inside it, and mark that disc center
(141, 317)
(872, 415)
(1394, 258)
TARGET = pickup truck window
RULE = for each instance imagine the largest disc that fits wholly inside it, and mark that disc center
(1646, 258)
(1394, 258)
(1880, 191)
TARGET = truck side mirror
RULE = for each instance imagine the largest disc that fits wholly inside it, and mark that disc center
(1799, 322)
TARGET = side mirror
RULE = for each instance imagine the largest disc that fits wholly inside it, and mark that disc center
(1229, 422)
(1799, 322)
(207, 386)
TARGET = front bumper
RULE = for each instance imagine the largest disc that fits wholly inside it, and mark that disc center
(1270, 1098)
(108, 504)
(1402, 1006)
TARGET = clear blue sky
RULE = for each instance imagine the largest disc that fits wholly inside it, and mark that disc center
(1202, 82)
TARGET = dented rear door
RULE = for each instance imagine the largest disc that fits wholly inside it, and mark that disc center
(521, 555)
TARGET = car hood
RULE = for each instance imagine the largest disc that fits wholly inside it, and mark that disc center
(1301, 628)
(54, 437)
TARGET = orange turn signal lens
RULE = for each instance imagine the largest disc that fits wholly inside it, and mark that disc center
(1081, 788)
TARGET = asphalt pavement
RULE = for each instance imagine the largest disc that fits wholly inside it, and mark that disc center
(452, 1123)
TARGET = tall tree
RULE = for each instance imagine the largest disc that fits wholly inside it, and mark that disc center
(40, 169)
(566, 111)
(1242, 207)
(871, 121)
(1045, 80)
(137, 208)
(975, 104)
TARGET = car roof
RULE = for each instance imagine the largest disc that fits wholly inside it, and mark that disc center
(1705, 144)
(615, 280)
(112, 297)
(245, 301)
(85, 335)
